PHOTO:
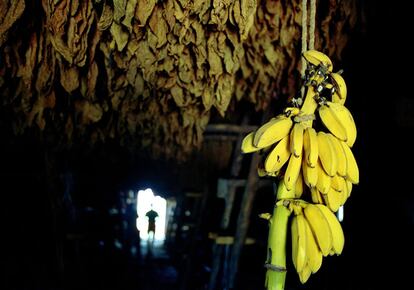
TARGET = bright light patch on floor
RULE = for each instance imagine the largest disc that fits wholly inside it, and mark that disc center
(145, 199)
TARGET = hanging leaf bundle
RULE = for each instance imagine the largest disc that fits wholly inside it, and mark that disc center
(146, 73)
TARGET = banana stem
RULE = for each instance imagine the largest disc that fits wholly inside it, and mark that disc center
(276, 256)
(309, 105)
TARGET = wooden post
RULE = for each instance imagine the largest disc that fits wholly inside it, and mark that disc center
(243, 218)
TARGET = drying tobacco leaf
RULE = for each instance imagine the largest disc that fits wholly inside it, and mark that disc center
(10, 12)
(149, 73)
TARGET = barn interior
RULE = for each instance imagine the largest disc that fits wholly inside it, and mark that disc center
(104, 102)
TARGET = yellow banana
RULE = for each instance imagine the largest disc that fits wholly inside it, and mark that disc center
(296, 139)
(333, 199)
(318, 58)
(320, 228)
(247, 144)
(283, 192)
(348, 188)
(340, 90)
(272, 131)
(312, 250)
(278, 156)
(305, 274)
(291, 111)
(340, 155)
(344, 117)
(298, 232)
(310, 146)
(310, 175)
(338, 183)
(345, 193)
(327, 154)
(316, 195)
(352, 170)
(276, 252)
(299, 186)
(324, 180)
(292, 171)
(338, 238)
(331, 121)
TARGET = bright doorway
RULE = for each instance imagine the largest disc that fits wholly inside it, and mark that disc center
(145, 201)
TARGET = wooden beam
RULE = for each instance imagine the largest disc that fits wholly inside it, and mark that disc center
(237, 153)
(243, 218)
(229, 128)
(218, 137)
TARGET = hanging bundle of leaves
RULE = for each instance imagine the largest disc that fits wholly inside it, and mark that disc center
(148, 73)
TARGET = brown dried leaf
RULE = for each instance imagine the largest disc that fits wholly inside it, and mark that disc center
(106, 18)
(248, 10)
(129, 13)
(119, 9)
(214, 60)
(69, 23)
(159, 26)
(10, 12)
(144, 10)
(46, 66)
(178, 95)
(120, 36)
(224, 92)
(69, 77)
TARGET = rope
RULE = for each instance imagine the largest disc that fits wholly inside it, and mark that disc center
(274, 267)
(304, 34)
(312, 24)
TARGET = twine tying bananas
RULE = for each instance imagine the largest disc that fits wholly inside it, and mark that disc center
(310, 154)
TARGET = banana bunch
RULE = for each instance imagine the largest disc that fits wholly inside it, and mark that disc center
(311, 145)
(315, 233)
(307, 148)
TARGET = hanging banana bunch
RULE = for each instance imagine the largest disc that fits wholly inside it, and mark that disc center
(307, 148)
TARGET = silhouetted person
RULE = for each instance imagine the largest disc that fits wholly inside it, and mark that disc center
(152, 215)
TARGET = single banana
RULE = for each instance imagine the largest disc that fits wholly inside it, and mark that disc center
(331, 121)
(338, 238)
(324, 180)
(333, 199)
(310, 175)
(344, 116)
(272, 131)
(349, 188)
(292, 171)
(276, 251)
(340, 89)
(305, 274)
(312, 250)
(247, 144)
(320, 228)
(299, 237)
(278, 156)
(338, 183)
(296, 139)
(352, 170)
(299, 186)
(345, 193)
(339, 153)
(283, 193)
(316, 195)
(318, 58)
(327, 154)
(310, 146)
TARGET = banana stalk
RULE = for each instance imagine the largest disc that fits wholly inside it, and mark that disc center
(276, 252)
